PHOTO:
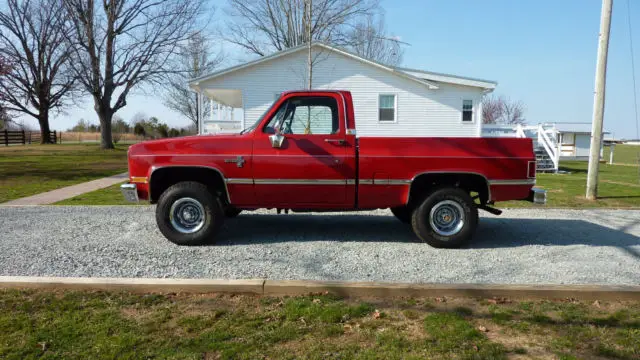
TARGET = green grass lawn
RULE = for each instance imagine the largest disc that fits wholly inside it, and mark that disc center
(103, 325)
(623, 154)
(32, 169)
(107, 196)
(618, 187)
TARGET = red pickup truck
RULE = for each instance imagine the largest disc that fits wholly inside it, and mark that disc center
(303, 155)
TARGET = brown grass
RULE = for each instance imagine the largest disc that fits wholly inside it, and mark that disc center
(70, 136)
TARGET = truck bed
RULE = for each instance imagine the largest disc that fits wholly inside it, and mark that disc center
(502, 161)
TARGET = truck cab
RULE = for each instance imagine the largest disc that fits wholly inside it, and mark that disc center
(303, 154)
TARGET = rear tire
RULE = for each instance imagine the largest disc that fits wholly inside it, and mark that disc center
(188, 214)
(447, 218)
(402, 213)
(231, 211)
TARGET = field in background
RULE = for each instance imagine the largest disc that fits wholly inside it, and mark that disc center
(99, 325)
(78, 137)
(32, 169)
(623, 154)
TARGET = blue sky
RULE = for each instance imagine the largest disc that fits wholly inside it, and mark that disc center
(541, 52)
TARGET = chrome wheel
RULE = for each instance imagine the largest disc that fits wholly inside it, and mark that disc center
(446, 218)
(187, 215)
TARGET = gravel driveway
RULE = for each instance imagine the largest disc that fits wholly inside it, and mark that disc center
(521, 246)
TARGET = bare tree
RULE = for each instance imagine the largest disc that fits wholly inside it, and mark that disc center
(4, 117)
(369, 39)
(32, 41)
(491, 110)
(264, 26)
(194, 60)
(119, 127)
(121, 45)
(502, 110)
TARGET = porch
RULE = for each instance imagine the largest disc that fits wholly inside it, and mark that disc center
(219, 110)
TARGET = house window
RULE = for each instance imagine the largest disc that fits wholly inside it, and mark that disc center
(387, 108)
(467, 110)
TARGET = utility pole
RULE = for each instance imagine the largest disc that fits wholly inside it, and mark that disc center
(307, 129)
(598, 101)
(309, 60)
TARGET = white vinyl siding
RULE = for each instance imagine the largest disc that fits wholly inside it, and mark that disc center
(425, 112)
(387, 108)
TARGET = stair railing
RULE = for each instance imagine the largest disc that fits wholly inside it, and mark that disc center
(549, 145)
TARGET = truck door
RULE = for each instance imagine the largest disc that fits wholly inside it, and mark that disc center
(312, 163)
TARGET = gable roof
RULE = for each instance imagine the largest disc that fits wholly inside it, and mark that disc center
(451, 79)
(429, 79)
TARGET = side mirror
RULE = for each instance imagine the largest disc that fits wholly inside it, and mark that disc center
(276, 140)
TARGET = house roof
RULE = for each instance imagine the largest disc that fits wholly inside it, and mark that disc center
(451, 79)
(578, 128)
(427, 78)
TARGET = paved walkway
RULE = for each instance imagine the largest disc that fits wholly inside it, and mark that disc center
(68, 192)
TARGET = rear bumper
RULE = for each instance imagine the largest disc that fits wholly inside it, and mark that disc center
(130, 192)
(538, 196)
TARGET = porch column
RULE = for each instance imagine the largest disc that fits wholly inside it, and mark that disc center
(199, 111)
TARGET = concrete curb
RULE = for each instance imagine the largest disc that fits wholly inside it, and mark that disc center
(346, 289)
(134, 284)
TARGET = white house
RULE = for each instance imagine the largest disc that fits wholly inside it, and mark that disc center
(388, 101)
(575, 140)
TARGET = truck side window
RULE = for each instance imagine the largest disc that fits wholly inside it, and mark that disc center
(307, 116)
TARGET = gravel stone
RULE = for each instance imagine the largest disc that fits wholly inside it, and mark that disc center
(523, 246)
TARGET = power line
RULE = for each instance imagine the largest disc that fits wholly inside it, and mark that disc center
(633, 69)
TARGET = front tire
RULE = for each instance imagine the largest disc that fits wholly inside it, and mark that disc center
(188, 214)
(447, 218)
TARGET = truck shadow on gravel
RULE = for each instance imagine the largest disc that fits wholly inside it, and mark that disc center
(491, 233)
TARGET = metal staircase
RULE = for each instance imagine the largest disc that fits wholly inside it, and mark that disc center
(546, 149)
(544, 162)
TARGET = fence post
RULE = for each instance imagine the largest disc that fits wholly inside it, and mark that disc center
(6, 137)
(24, 139)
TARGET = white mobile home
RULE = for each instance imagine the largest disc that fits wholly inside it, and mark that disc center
(575, 140)
(388, 101)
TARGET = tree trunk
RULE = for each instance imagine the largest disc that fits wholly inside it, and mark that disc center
(43, 120)
(106, 140)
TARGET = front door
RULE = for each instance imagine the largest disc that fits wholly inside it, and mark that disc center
(311, 165)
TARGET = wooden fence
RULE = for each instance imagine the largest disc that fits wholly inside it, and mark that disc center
(20, 137)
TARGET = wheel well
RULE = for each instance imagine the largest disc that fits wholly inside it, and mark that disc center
(161, 179)
(425, 183)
